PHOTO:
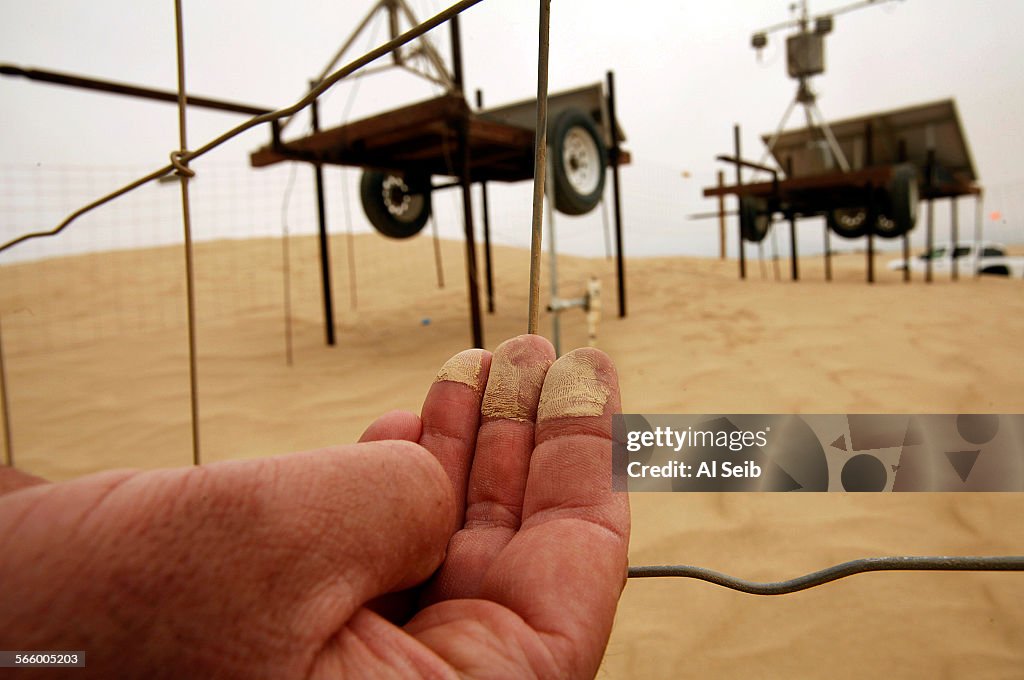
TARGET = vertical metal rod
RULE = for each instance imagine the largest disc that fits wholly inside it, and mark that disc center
(979, 218)
(901, 155)
(739, 183)
(286, 273)
(186, 218)
(607, 229)
(930, 226)
(350, 242)
(467, 196)
(438, 265)
(616, 154)
(870, 213)
(325, 254)
(721, 217)
(539, 165)
(485, 207)
(556, 311)
(906, 256)
(794, 266)
(955, 237)
(5, 406)
(828, 253)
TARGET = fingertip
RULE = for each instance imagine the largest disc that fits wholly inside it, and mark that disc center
(468, 367)
(582, 383)
(516, 377)
(398, 425)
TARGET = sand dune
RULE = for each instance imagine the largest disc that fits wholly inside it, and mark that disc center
(97, 378)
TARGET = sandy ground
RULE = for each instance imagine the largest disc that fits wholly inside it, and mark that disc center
(98, 378)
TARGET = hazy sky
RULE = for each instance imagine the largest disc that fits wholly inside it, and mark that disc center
(685, 73)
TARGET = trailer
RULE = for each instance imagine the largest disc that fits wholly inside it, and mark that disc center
(866, 175)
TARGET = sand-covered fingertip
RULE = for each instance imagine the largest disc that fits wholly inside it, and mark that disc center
(517, 374)
(579, 384)
(465, 367)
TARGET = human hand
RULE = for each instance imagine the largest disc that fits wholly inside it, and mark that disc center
(482, 539)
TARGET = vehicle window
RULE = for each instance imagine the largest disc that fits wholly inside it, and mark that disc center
(962, 251)
(993, 252)
(935, 254)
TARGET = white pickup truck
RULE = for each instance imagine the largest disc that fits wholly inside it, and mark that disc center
(984, 258)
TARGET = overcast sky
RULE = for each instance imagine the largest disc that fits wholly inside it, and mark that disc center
(685, 72)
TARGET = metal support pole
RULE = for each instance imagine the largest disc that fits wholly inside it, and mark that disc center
(556, 311)
(794, 267)
(906, 256)
(828, 253)
(620, 265)
(739, 210)
(954, 237)
(871, 216)
(721, 217)
(901, 155)
(184, 173)
(979, 218)
(476, 323)
(485, 207)
(325, 256)
(5, 406)
(930, 226)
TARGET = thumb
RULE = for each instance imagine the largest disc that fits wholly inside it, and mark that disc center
(273, 554)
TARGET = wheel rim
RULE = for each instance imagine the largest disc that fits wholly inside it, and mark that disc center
(402, 205)
(581, 160)
(851, 218)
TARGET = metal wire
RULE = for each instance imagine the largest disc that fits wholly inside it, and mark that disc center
(302, 103)
(834, 573)
(180, 164)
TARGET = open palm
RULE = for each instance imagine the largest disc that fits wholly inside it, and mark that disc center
(481, 539)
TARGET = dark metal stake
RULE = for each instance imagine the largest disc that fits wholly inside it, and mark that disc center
(5, 407)
(794, 267)
(620, 265)
(721, 217)
(485, 206)
(871, 255)
(930, 233)
(955, 228)
(739, 207)
(828, 253)
(321, 212)
(467, 196)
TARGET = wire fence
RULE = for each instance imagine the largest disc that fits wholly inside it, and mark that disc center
(39, 313)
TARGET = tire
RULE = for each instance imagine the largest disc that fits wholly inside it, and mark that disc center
(849, 222)
(579, 162)
(755, 219)
(898, 203)
(398, 206)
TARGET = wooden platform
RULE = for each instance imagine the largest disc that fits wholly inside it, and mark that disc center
(820, 192)
(423, 137)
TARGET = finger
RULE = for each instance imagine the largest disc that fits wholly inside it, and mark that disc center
(497, 480)
(12, 479)
(400, 425)
(451, 418)
(278, 552)
(563, 572)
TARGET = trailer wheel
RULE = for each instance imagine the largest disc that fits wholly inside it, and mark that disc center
(898, 203)
(579, 163)
(397, 205)
(755, 218)
(848, 222)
